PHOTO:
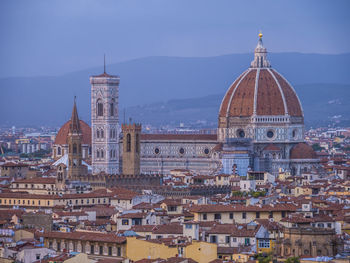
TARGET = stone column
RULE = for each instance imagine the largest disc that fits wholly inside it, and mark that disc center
(79, 246)
(114, 250)
(314, 249)
(87, 247)
(105, 249)
(70, 246)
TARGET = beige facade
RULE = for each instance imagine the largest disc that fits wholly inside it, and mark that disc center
(91, 243)
(240, 216)
(307, 242)
(36, 185)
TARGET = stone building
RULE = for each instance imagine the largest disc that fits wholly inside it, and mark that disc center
(307, 242)
(37, 221)
(131, 149)
(14, 170)
(260, 128)
(91, 243)
(105, 123)
(60, 146)
(262, 106)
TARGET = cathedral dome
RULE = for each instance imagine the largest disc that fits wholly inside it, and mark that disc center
(302, 151)
(260, 91)
(61, 137)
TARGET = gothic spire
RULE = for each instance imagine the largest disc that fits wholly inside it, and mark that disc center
(74, 121)
(260, 55)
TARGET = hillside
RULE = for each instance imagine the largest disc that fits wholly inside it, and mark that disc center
(48, 100)
(322, 104)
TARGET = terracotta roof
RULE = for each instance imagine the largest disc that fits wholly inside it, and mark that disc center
(272, 147)
(37, 180)
(89, 236)
(105, 75)
(272, 89)
(61, 137)
(9, 213)
(133, 215)
(302, 151)
(180, 260)
(178, 137)
(24, 195)
(12, 164)
(176, 229)
(171, 201)
(143, 228)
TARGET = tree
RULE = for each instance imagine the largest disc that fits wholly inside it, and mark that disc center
(237, 193)
(264, 258)
(316, 147)
(293, 260)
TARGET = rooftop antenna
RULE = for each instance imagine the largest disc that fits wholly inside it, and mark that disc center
(104, 63)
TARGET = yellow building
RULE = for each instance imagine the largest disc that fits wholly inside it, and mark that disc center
(28, 200)
(265, 245)
(302, 190)
(36, 185)
(137, 249)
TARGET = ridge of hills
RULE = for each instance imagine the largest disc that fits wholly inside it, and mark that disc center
(150, 85)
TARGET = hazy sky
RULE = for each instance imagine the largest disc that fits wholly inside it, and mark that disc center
(54, 37)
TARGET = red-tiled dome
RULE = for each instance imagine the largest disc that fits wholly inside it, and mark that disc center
(262, 91)
(61, 137)
(302, 151)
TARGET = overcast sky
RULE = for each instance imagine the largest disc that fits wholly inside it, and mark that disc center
(43, 37)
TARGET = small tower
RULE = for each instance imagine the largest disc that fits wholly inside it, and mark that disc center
(131, 148)
(74, 145)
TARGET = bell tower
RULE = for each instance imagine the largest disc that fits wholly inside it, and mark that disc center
(105, 123)
(74, 145)
(131, 148)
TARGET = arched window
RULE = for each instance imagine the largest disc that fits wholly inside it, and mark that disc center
(111, 154)
(137, 143)
(128, 142)
(110, 133)
(98, 133)
(102, 153)
(102, 135)
(74, 148)
(98, 154)
(111, 108)
(59, 150)
(99, 107)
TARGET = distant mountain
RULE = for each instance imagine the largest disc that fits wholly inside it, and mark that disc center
(48, 100)
(322, 104)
